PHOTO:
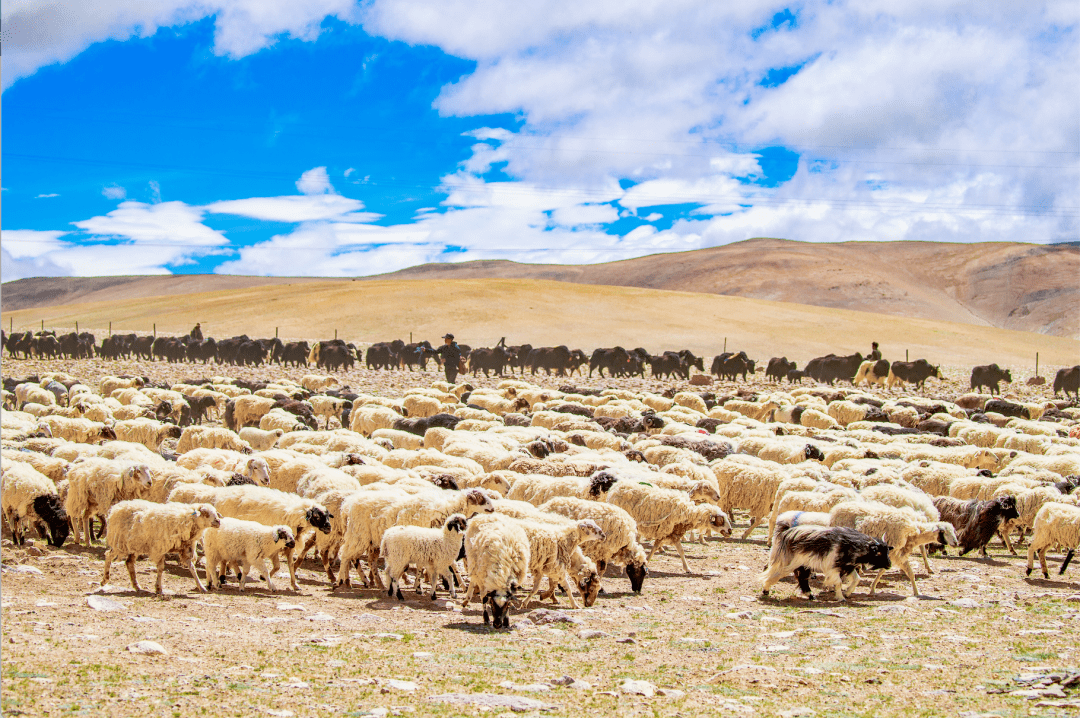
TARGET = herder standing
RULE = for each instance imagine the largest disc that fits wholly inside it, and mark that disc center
(451, 356)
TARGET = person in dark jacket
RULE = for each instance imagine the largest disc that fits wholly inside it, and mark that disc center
(196, 332)
(451, 356)
(875, 353)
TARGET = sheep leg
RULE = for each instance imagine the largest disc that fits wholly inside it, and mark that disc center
(304, 551)
(686, 567)
(131, 572)
(1042, 562)
(161, 572)
(873, 586)
(1065, 563)
(269, 583)
(535, 588)
(292, 569)
(1004, 534)
(926, 560)
(569, 588)
(189, 559)
(109, 560)
(656, 544)
(754, 521)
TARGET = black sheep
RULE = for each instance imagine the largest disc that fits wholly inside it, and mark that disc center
(976, 521)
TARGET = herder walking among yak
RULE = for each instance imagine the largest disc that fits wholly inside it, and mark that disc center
(451, 357)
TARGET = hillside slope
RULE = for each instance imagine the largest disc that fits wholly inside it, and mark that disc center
(541, 312)
(1027, 287)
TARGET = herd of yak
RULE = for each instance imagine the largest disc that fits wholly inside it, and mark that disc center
(336, 355)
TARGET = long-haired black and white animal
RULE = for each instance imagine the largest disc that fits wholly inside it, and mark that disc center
(975, 521)
(836, 552)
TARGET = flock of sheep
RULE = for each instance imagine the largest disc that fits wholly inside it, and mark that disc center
(492, 490)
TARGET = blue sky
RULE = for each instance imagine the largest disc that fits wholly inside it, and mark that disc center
(331, 138)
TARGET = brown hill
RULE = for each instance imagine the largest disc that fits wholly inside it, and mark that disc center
(1026, 287)
(479, 311)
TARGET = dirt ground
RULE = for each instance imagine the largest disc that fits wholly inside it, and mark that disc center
(705, 643)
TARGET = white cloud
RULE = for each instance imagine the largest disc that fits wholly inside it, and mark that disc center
(349, 172)
(294, 208)
(24, 243)
(38, 34)
(46, 196)
(114, 191)
(155, 191)
(315, 181)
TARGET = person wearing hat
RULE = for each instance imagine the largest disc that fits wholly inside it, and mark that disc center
(451, 356)
(875, 353)
(196, 332)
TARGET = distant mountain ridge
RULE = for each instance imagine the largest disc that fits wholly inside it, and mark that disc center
(1010, 285)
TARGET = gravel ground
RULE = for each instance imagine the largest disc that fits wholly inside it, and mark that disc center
(702, 644)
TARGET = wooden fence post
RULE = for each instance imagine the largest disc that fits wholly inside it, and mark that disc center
(725, 344)
(275, 332)
(155, 330)
(906, 357)
(110, 329)
(1036, 363)
(335, 335)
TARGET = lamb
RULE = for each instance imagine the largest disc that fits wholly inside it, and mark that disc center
(329, 407)
(497, 554)
(551, 546)
(315, 383)
(109, 384)
(95, 485)
(747, 487)
(81, 431)
(365, 527)
(246, 411)
(254, 467)
(786, 452)
(245, 545)
(421, 406)
(33, 394)
(976, 521)
(664, 516)
(433, 549)
(539, 489)
(144, 528)
(619, 545)
(400, 439)
(53, 467)
(1028, 503)
(206, 437)
(25, 493)
(1055, 525)
(278, 418)
(366, 419)
(267, 506)
(258, 439)
(148, 432)
(902, 529)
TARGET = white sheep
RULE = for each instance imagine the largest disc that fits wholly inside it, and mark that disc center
(619, 545)
(211, 437)
(96, 485)
(1056, 525)
(27, 494)
(369, 417)
(81, 431)
(497, 555)
(664, 516)
(432, 549)
(253, 467)
(258, 439)
(148, 432)
(359, 510)
(267, 506)
(139, 527)
(109, 384)
(537, 489)
(243, 545)
(278, 418)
